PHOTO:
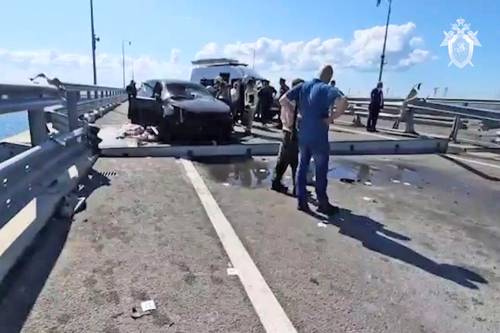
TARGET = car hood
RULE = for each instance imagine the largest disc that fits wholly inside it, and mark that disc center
(200, 105)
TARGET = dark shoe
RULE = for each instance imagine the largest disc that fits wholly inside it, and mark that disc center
(328, 209)
(278, 187)
(304, 207)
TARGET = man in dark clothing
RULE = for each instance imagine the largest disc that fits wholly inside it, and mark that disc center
(266, 99)
(283, 87)
(333, 83)
(376, 103)
(289, 150)
(132, 94)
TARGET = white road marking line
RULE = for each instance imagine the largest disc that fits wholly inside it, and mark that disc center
(473, 161)
(267, 307)
(11, 231)
(342, 129)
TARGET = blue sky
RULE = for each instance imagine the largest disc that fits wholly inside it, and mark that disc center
(293, 38)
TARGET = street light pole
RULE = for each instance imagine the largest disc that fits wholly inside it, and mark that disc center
(382, 57)
(123, 62)
(94, 40)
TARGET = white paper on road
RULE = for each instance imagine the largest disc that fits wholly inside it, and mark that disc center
(148, 305)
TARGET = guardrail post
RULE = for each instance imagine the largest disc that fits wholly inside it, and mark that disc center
(456, 126)
(72, 108)
(38, 127)
(410, 121)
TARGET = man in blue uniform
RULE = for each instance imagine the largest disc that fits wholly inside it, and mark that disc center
(315, 100)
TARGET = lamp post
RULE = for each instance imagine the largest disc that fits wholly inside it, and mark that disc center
(123, 61)
(94, 40)
(382, 57)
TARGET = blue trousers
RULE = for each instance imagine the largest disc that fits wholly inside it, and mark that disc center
(321, 154)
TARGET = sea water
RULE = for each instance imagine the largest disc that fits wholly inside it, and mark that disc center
(12, 124)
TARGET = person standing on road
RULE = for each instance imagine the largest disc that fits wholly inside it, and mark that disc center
(223, 91)
(376, 104)
(316, 100)
(289, 148)
(132, 94)
(283, 87)
(266, 98)
(251, 102)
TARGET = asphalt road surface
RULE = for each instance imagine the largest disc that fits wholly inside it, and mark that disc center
(415, 249)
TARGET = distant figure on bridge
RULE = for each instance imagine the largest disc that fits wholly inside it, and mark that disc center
(157, 90)
(266, 99)
(289, 148)
(237, 103)
(376, 104)
(223, 90)
(316, 100)
(131, 90)
(283, 87)
(132, 94)
(251, 102)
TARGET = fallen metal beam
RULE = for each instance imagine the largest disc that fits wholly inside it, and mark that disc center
(373, 147)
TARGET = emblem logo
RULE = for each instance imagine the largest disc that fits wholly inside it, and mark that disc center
(460, 41)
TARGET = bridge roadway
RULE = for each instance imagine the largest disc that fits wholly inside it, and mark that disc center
(417, 251)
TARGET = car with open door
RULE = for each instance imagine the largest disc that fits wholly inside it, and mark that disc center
(182, 110)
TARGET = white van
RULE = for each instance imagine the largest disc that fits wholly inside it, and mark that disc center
(206, 70)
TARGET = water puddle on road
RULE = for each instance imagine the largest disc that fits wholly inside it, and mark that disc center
(258, 173)
(378, 174)
(249, 173)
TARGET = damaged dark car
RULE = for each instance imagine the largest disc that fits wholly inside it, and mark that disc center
(181, 110)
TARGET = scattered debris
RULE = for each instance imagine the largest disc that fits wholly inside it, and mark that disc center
(395, 181)
(347, 180)
(368, 199)
(148, 305)
(232, 271)
(148, 134)
(368, 183)
(147, 308)
(322, 225)
(139, 314)
(406, 184)
(315, 281)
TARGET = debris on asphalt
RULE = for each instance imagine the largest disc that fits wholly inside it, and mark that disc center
(148, 134)
(368, 183)
(136, 314)
(368, 199)
(315, 281)
(406, 184)
(395, 181)
(147, 308)
(148, 305)
(322, 225)
(347, 180)
(232, 271)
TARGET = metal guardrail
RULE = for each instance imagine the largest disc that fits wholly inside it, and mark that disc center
(420, 108)
(34, 182)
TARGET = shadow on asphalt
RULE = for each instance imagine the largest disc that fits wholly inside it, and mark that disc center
(376, 237)
(20, 288)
